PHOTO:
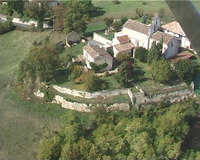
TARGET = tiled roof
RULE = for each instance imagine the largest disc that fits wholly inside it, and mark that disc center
(123, 39)
(174, 27)
(96, 52)
(182, 56)
(124, 47)
(137, 26)
(160, 36)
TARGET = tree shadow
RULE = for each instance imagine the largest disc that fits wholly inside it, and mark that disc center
(90, 34)
(97, 13)
(61, 76)
(138, 75)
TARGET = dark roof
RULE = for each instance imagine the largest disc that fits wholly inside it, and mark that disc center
(73, 37)
(96, 52)
(182, 56)
(137, 26)
(160, 36)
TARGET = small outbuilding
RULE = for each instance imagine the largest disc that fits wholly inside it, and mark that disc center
(72, 38)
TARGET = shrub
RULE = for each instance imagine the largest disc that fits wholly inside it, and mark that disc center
(77, 72)
(161, 71)
(6, 27)
(48, 94)
(121, 57)
(141, 54)
(185, 71)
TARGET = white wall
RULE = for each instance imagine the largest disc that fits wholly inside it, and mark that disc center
(136, 37)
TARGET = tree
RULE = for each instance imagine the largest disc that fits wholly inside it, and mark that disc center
(121, 57)
(78, 15)
(50, 148)
(59, 16)
(123, 74)
(155, 52)
(41, 62)
(37, 10)
(91, 82)
(161, 71)
(185, 71)
(141, 54)
(161, 12)
(117, 26)
(144, 19)
(139, 12)
(18, 6)
(108, 22)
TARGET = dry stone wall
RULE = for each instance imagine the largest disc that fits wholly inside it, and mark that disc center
(137, 99)
(82, 107)
(88, 95)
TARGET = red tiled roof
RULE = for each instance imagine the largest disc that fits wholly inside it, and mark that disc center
(182, 56)
(137, 26)
(124, 47)
(123, 39)
(160, 36)
(175, 28)
(96, 52)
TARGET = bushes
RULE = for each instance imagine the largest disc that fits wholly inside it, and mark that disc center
(161, 71)
(141, 54)
(185, 71)
(6, 27)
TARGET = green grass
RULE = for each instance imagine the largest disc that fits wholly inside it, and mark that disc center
(74, 50)
(23, 123)
(127, 8)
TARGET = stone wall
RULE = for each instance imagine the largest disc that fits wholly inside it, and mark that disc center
(82, 107)
(18, 21)
(137, 99)
(88, 95)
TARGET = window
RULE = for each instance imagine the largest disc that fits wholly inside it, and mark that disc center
(172, 44)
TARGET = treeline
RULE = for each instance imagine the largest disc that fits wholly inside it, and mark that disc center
(158, 132)
(71, 15)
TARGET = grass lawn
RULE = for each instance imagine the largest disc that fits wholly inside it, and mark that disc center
(127, 8)
(75, 50)
(23, 123)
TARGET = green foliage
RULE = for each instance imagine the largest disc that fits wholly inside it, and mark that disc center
(161, 12)
(78, 14)
(185, 71)
(108, 21)
(191, 154)
(117, 26)
(50, 149)
(92, 81)
(36, 11)
(123, 73)
(77, 72)
(161, 71)
(144, 19)
(40, 62)
(6, 27)
(121, 57)
(18, 6)
(155, 52)
(139, 12)
(141, 54)
(6, 10)
(155, 133)
(48, 94)
(98, 68)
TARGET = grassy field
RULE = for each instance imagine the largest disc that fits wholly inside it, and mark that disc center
(127, 8)
(23, 123)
